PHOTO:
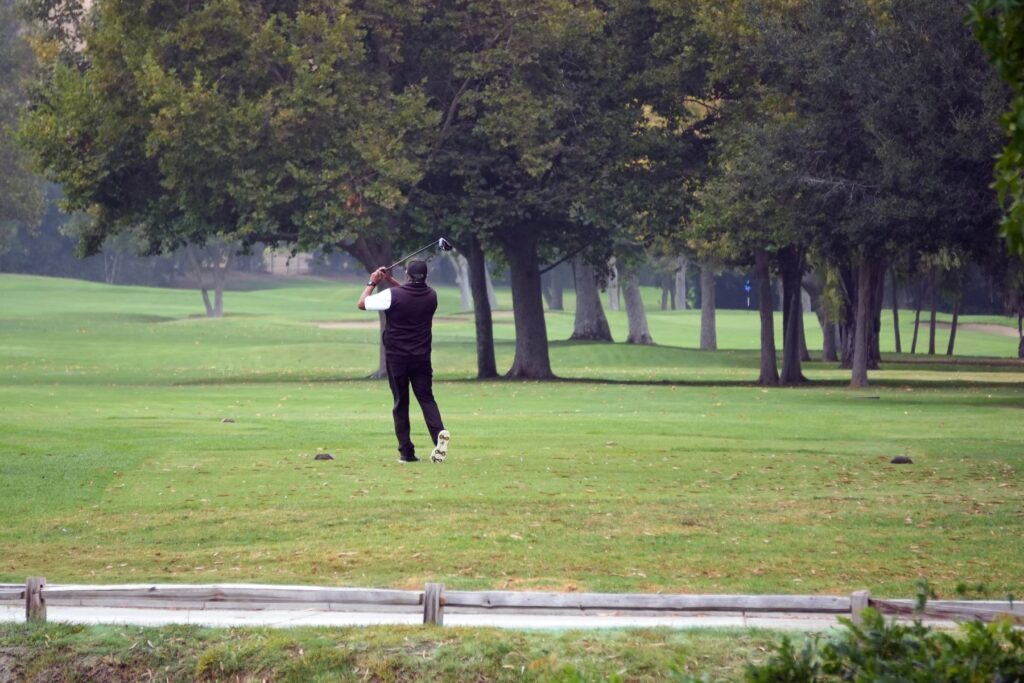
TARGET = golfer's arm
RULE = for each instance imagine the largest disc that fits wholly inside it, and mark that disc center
(367, 291)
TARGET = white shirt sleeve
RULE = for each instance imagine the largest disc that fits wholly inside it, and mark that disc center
(380, 301)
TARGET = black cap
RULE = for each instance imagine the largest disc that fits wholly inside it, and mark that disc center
(417, 271)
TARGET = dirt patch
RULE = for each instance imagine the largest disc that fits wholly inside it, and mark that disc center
(90, 668)
(12, 668)
(990, 328)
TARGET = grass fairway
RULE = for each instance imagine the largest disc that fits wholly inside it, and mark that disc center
(659, 469)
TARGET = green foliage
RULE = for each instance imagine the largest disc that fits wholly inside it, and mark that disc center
(252, 121)
(531, 121)
(879, 650)
(999, 25)
(20, 191)
(788, 664)
(850, 129)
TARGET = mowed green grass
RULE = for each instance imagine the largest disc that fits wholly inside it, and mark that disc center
(59, 652)
(643, 469)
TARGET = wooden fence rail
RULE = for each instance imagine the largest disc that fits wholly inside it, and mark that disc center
(434, 600)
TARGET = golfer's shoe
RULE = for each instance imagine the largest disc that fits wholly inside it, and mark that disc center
(440, 451)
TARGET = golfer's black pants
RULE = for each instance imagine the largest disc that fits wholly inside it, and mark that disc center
(404, 371)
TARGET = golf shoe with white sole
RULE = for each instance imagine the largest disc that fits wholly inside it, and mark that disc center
(440, 451)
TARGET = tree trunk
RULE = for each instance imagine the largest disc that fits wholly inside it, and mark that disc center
(532, 360)
(918, 303)
(896, 311)
(877, 304)
(848, 325)
(828, 345)
(613, 285)
(556, 302)
(591, 323)
(461, 266)
(111, 264)
(952, 328)
(218, 292)
(1020, 333)
(554, 288)
(639, 333)
(492, 298)
(862, 334)
(708, 333)
(220, 262)
(193, 255)
(680, 284)
(372, 254)
(560, 277)
(486, 367)
(805, 355)
(815, 288)
(769, 364)
(791, 273)
(206, 302)
(664, 297)
(935, 307)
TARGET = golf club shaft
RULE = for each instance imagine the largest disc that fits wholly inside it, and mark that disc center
(442, 244)
(406, 258)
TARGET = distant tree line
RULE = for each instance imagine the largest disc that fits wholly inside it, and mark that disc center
(839, 147)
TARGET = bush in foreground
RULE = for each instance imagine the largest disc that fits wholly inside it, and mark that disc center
(877, 651)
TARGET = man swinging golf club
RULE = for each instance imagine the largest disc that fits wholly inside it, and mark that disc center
(409, 312)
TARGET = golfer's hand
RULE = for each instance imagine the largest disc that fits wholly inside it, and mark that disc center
(378, 275)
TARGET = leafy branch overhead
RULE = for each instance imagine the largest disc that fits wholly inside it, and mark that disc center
(999, 25)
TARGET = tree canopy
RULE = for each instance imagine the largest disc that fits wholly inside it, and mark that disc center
(999, 25)
(855, 132)
(841, 135)
(20, 189)
(256, 121)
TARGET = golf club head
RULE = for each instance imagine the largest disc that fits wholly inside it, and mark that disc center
(444, 245)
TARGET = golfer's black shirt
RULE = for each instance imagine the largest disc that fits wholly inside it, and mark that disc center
(409, 318)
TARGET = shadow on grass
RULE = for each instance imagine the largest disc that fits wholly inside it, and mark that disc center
(742, 362)
(952, 364)
(889, 384)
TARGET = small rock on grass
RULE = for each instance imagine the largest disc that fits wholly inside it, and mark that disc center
(902, 460)
(323, 456)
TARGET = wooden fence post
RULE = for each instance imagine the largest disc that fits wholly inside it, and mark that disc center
(859, 601)
(433, 604)
(35, 603)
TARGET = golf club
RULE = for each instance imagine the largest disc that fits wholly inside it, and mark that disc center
(442, 244)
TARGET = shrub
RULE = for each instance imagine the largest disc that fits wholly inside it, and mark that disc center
(877, 651)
